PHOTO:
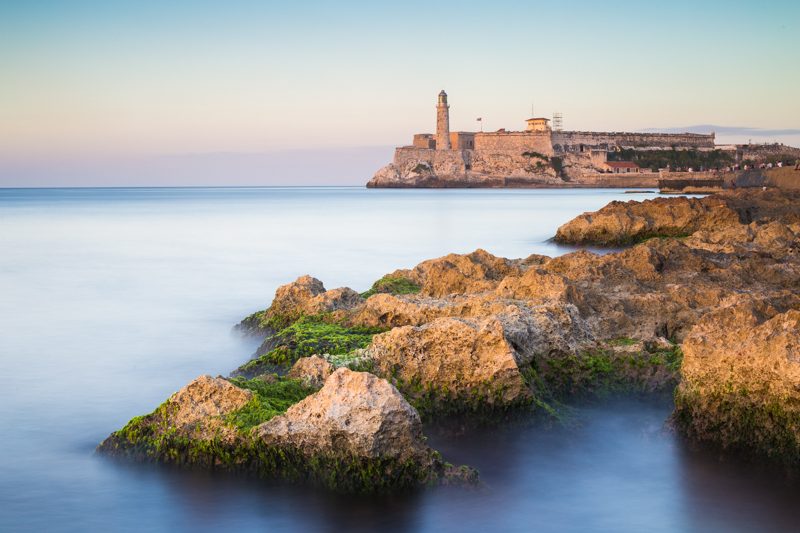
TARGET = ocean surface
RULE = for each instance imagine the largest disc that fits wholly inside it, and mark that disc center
(112, 299)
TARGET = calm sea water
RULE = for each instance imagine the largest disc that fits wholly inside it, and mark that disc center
(112, 299)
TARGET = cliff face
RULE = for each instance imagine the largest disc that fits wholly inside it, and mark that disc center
(423, 167)
(416, 167)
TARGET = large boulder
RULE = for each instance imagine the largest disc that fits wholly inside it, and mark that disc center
(195, 412)
(355, 414)
(628, 222)
(740, 387)
(469, 273)
(304, 296)
(452, 363)
(357, 433)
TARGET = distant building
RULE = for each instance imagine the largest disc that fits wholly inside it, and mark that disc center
(621, 167)
(538, 124)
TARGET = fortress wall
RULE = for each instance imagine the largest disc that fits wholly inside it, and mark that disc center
(602, 180)
(783, 178)
(424, 140)
(758, 152)
(406, 154)
(569, 141)
(515, 140)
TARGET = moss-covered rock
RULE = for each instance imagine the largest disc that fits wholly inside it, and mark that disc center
(357, 433)
(392, 284)
(740, 387)
(306, 336)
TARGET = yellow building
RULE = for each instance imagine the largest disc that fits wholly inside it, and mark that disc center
(538, 124)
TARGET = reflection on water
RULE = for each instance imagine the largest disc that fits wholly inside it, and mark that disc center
(113, 299)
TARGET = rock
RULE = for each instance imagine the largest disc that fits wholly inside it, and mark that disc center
(485, 333)
(195, 412)
(355, 414)
(627, 222)
(304, 296)
(471, 273)
(293, 298)
(537, 284)
(740, 387)
(313, 370)
(356, 434)
(452, 361)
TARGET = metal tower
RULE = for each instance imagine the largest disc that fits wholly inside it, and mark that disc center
(558, 121)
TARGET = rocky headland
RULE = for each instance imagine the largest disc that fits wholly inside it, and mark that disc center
(704, 301)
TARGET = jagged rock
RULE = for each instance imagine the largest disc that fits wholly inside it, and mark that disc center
(357, 433)
(304, 296)
(293, 298)
(627, 222)
(195, 412)
(475, 272)
(313, 370)
(355, 414)
(538, 285)
(740, 385)
(452, 359)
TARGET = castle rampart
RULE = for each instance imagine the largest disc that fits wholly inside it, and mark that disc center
(579, 141)
(537, 157)
(519, 141)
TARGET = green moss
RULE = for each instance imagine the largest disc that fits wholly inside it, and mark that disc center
(674, 159)
(265, 322)
(535, 154)
(151, 438)
(603, 371)
(392, 285)
(272, 397)
(622, 341)
(309, 335)
(736, 419)
(337, 471)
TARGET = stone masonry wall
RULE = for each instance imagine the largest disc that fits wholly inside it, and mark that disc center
(520, 141)
(571, 141)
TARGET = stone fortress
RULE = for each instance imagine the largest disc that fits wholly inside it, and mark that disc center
(539, 156)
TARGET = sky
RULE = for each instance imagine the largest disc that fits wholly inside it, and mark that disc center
(150, 93)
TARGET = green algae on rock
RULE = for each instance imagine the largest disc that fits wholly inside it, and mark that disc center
(740, 387)
(357, 433)
(305, 336)
(392, 284)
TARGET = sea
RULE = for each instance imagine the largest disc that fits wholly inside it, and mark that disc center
(112, 299)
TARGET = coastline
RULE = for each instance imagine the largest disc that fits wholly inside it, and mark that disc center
(481, 335)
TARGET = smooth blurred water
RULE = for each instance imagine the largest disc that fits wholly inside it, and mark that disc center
(112, 299)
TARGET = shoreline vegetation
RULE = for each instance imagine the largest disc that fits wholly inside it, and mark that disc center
(701, 303)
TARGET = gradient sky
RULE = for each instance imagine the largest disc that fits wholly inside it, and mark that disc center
(90, 82)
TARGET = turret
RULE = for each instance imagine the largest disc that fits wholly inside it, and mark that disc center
(442, 123)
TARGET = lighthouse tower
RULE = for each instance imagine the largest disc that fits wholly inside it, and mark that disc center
(442, 123)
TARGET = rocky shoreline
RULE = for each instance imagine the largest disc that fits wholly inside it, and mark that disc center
(703, 302)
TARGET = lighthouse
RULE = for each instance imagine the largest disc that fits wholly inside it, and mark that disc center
(442, 123)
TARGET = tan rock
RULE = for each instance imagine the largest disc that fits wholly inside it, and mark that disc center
(307, 296)
(471, 273)
(195, 412)
(313, 370)
(354, 414)
(204, 398)
(538, 285)
(454, 359)
(740, 385)
(626, 222)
